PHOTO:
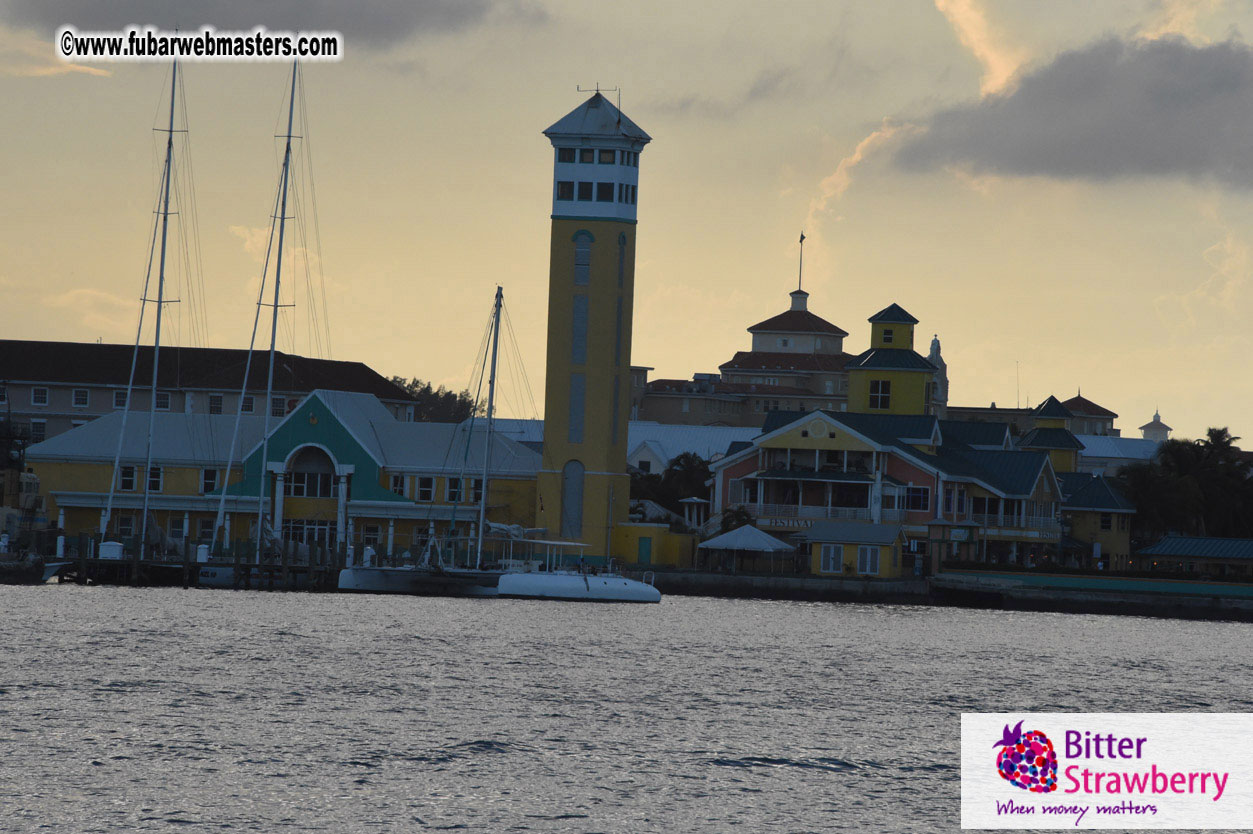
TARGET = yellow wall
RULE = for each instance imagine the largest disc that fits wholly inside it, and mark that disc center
(908, 394)
(818, 429)
(667, 548)
(889, 561)
(1115, 543)
(1063, 460)
(602, 452)
(902, 335)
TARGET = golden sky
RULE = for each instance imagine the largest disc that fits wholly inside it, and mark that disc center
(1063, 185)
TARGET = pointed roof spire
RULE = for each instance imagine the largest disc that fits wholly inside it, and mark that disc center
(1052, 408)
(597, 117)
(893, 314)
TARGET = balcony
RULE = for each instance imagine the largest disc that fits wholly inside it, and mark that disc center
(805, 511)
(1044, 524)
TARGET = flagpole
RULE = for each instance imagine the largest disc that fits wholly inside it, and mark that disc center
(800, 267)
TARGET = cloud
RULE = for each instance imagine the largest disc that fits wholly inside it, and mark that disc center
(378, 23)
(773, 83)
(101, 313)
(837, 182)
(1114, 109)
(1000, 60)
(1180, 17)
(25, 54)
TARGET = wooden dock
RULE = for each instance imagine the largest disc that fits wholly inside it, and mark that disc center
(234, 565)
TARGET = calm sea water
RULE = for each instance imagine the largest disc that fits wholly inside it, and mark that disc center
(199, 710)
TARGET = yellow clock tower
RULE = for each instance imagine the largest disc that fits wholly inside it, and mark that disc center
(583, 488)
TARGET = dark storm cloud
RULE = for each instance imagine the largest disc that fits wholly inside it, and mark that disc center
(1114, 109)
(373, 23)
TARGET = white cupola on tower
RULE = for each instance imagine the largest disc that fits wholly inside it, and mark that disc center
(800, 300)
(1156, 430)
(596, 163)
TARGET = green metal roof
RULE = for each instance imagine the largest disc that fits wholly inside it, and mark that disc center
(1050, 439)
(889, 359)
(893, 314)
(1083, 491)
(1199, 547)
(1052, 409)
(963, 433)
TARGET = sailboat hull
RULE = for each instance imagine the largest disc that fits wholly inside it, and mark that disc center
(576, 587)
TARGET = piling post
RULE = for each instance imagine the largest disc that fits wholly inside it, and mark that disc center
(186, 561)
(285, 560)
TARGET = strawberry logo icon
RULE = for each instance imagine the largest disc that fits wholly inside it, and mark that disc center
(1027, 760)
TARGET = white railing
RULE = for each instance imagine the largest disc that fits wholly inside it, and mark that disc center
(804, 511)
(1045, 523)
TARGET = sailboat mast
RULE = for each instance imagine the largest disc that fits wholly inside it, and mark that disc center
(491, 407)
(156, 344)
(278, 274)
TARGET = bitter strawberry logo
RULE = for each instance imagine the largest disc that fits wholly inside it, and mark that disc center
(1027, 760)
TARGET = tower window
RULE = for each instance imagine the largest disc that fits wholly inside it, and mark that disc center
(622, 241)
(604, 192)
(578, 390)
(565, 190)
(578, 334)
(880, 393)
(565, 154)
(582, 261)
(608, 157)
(585, 191)
(887, 335)
(587, 155)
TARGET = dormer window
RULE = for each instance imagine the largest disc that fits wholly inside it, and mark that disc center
(565, 154)
(783, 343)
(587, 155)
(887, 335)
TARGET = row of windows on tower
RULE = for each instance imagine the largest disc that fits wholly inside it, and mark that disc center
(602, 156)
(601, 192)
(598, 192)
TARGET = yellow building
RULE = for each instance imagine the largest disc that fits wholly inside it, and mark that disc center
(854, 550)
(1051, 434)
(583, 490)
(890, 377)
(339, 469)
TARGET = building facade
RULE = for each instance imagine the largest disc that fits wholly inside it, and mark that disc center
(52, 387)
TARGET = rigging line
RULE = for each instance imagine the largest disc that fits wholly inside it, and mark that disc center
(198, 294)
(513, 340)
(130, 382)
(311, 314)
(243, 391)
(307, 146)
(480, 360)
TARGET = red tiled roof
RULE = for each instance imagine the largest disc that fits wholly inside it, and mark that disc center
(1084, 406)
(797, 321)
(747, 360)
